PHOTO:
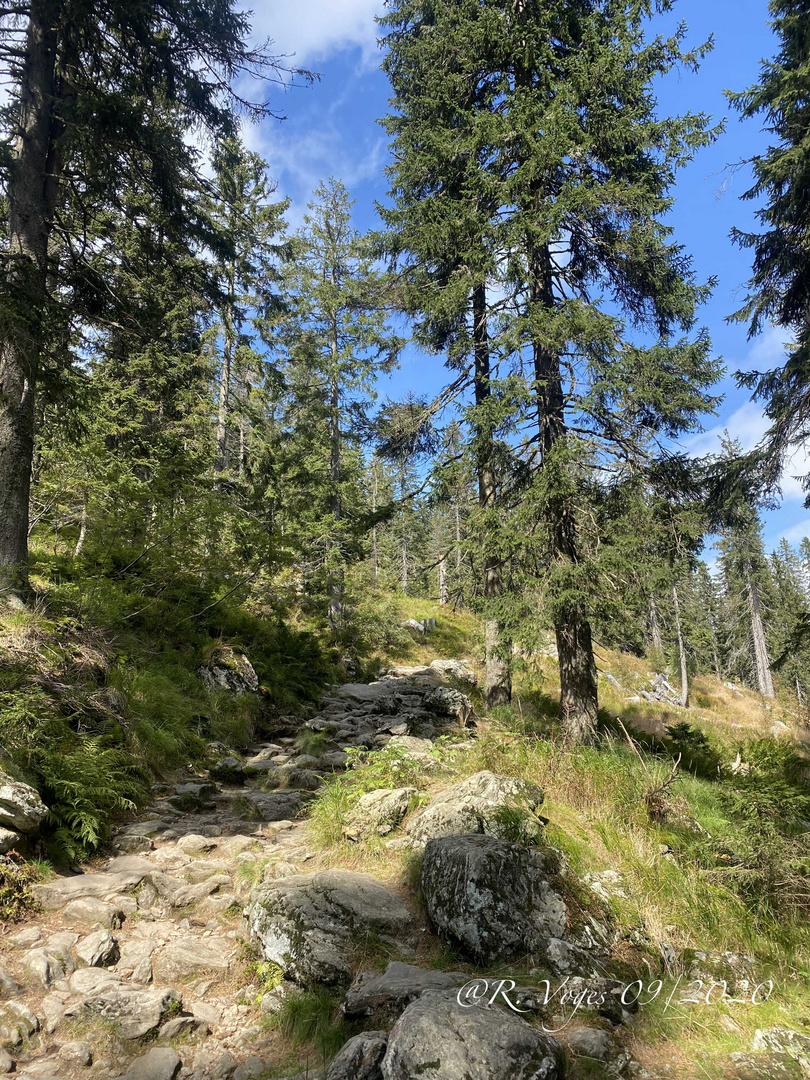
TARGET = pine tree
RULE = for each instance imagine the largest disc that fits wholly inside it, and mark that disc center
(249, 231)
(440, 229)
(789, 642)
(779, 288)
(91, 90)
(747, 587)
(336, 340)
(567, 178)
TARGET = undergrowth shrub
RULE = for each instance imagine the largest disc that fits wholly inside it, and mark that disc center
(16, 878)
(698, 754)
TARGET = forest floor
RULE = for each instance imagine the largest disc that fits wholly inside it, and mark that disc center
(143, 965)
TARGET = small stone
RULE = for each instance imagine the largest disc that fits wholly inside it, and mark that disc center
(254, 1066)
(76, 1053)
(590, 1042)
(193, 843)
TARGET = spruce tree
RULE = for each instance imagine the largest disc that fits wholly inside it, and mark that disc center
(567, 170)
(779, 287)
(91, 90)
(748, 587)
(440, 228)
(336, 340)
(249, 231)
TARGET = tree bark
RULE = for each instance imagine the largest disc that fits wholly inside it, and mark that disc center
(681, 648)
(655, 626)
(579, 704)
(443, 591)
(225, 370)
(335, 587)
(762, 664)
(498, 674)
(375, 556)
(32, 192)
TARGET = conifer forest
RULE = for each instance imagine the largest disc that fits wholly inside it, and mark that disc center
(395, 681)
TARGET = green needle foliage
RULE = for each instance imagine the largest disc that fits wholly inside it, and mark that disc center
(779, 288)
(530, 159)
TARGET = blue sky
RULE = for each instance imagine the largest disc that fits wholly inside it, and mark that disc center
(331, 129)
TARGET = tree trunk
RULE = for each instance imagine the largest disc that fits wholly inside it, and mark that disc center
(498, 675)
(335, 586)
(762, 664)
(375, 555)
(225, 371)
(655, 628)
(579, 704)
(33, 185)
(681, 649)
(443, 591)
(82, 531)
(404, 581)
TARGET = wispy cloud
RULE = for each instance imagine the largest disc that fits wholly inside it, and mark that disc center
(748, 425)
(309, 30)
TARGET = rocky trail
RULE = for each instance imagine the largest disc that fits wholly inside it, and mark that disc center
(153, 963)
(136, 966)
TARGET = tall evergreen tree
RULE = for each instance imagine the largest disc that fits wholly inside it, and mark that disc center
(337, 340)
(90, 92)
(441, 226)
(747, 586)
(567, 177)
(248, 227)
(779, 288)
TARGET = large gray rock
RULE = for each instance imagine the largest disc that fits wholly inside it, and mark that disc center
(784, 1040)
(471, 806)
(88, 911)
(436, 1038)
(229, 669)
(445, 701)
(309, 924)
(590, 1042)
(379, 812)
(134, 1010)
(388, 994)
(492, 898)
(181, 959)
(277, 806)
(122, 875)
(17, 1022)
(21, 808)
(159, 1063)
(8, 840)
(360, 1058)
(456, 669)
(98, 949)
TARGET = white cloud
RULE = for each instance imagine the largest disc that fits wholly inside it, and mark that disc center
(768, 350)
(309, 30)
(796, 533)
(299, 163)
(748, 425)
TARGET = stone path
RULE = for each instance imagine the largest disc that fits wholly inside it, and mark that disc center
(137, 968)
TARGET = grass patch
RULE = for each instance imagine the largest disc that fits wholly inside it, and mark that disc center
(310, 1020)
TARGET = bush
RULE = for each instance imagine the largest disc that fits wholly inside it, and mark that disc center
(698, 755)
(16, 877)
